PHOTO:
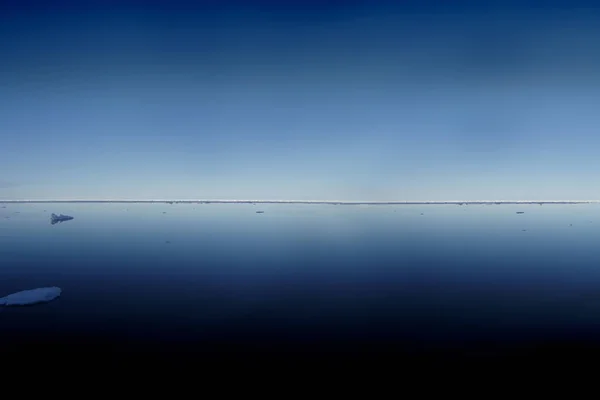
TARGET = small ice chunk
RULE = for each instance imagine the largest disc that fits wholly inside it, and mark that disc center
(54, 219)
(30, 297)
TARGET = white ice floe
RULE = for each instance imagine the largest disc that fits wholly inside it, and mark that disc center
(30, 297)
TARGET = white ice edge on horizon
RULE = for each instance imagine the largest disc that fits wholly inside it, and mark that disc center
(263, 201)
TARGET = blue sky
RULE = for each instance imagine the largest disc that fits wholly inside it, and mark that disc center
(369, 100)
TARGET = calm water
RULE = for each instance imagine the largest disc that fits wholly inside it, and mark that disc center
(346, 277)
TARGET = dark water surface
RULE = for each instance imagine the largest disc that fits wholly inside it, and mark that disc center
(303, 279)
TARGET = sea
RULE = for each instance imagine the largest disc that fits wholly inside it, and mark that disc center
(431, 282)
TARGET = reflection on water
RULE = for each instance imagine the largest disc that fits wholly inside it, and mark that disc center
(435, 275)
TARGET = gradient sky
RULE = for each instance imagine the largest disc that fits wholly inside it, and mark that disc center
(341, 100)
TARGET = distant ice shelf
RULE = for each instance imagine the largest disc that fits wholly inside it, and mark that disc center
(31, 297)
(334, 202)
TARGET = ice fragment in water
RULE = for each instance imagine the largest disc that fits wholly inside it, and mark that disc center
(30, 297)
(54, 219)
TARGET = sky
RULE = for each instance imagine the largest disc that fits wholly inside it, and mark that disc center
(299, 100)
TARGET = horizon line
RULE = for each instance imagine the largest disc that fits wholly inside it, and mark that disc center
(250, 201)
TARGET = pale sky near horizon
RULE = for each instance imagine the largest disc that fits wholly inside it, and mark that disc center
(354, 100)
